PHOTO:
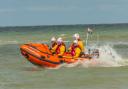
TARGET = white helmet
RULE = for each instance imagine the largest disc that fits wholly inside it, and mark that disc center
(75, 41)
(76, 36)
(53, 39)
(59, 40)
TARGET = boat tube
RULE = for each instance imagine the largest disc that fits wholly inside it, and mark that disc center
(40, 55)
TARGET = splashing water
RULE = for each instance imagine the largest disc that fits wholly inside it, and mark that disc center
(108, 58)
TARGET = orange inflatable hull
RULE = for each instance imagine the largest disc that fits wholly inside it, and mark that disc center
(40, 55)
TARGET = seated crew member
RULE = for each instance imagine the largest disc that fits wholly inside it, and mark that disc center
(53, 45)
(60, 48)
(80, 42)
(75, 50)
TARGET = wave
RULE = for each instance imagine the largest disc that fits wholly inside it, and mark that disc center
(9, 42)
(20, 42)
(118, 43)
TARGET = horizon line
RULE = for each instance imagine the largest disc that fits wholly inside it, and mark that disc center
(62, 25)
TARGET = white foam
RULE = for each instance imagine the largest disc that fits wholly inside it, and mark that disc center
(108, 58)
(8, 42)
(63, 34)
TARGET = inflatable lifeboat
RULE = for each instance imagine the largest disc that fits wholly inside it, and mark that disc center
(40, 55)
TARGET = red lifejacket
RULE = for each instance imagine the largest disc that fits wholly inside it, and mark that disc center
(58, 48)
(73, 53)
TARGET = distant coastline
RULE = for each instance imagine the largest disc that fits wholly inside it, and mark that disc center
(68, 25)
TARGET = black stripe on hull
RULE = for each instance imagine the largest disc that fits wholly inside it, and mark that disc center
(39, 58)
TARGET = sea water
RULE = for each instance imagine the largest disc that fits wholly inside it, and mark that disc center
(109, 71)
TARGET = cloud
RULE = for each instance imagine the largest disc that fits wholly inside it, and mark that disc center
(6, 10)
(51, 8)
(39, 9)
(107, 7)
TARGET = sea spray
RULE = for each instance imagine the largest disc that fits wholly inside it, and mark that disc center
(108, 58)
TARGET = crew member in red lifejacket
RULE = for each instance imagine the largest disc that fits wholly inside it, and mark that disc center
(75, 50)
(60, 48)
(76, 36)
(53, 44)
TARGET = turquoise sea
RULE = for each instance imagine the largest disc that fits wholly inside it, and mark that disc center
(17, 73)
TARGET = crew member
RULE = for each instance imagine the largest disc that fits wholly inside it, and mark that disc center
(80, 42)
(53, 45)
(60, 48)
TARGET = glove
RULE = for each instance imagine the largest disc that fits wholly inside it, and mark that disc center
(50, 48)
(68, 50)
(53, 53)
(60, 57)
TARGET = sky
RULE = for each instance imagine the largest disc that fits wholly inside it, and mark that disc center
(62, 12)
